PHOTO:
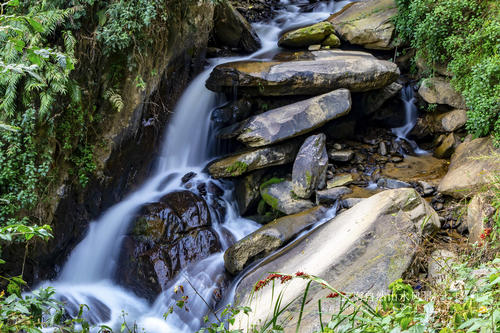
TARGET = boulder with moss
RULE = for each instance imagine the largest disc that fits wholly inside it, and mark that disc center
(278, 193)
(303, 37)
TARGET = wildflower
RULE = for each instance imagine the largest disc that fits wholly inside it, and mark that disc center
(332, 295)
(301, 274)
(482, 309)
(262, 283)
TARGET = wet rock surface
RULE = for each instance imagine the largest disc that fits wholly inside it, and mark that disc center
(309, 168)
(269, 238)
(324, 72)
(303, 37)
(280, 196)
(292, 120)
(166, 237)
(241, 163)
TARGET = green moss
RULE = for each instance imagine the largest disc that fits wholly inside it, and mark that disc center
(270, 200)
(308, 177)
(237, 168)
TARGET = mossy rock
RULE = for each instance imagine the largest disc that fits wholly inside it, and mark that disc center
(303, 37)
(331, 41)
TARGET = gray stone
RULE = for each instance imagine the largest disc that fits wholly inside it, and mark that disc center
(382, 148)
(303, 37)
(479, 213)
(315, 47)
(240, 163)
(281, 197)
(447, 146)
(440, 263)
(292, 120)
(367, 23)
(392, 183)
(362, 251)
(427, 189)
(351, 202)
(340, 180)
(326, 71)
(439, 91)
(341, 155)
(247, 190)
(330, 196)
(471, 167)
(454, 120)
(269, 238)
(309, 168)
(233, 30)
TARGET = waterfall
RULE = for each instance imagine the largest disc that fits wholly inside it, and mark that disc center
(408, 98)
(86, 278)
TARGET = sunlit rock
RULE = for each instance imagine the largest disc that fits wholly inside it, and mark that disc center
(303, 37)
(279, 195)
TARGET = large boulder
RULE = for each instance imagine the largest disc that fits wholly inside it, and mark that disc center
(165, 238)
(362, 250)
(366, 23)
(472, 166)
(233, 30)
(303, 37)
(439, 91)
(269, 238)
(447, 146)
(309, 168)
(433, 123)
(453, 120)
(292, 120)
(240, 163)
(247, 190)
(321, 72)
(279, 195)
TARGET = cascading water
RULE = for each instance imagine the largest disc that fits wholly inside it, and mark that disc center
(87, 276)
(408, 98)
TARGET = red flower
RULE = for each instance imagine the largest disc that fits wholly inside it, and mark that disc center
(332, 295)
(262, 283)
(301, 274)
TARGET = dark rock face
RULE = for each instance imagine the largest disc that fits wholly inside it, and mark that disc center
(166, 237)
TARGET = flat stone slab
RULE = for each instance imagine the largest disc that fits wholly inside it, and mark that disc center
(280, 196)
(291, 120)
(324, 71)
(362, 250)
(238, 164)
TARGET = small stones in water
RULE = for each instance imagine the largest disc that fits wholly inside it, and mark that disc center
(338, 146)
(392, 183)
(341, 155)
(427, 189)
(188, 176)
(396, 159)
(315, 47)
(350, 202)
(340, 180)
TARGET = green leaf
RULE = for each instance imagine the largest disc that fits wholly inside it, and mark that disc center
(13, 3)
(19, 44)
(35, 25)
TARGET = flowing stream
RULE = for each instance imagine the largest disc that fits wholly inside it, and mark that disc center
(87, 276)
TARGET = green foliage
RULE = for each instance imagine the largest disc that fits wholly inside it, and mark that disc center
(270, 200)
(237, 168)
(465, 34)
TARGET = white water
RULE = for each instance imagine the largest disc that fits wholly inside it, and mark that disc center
(86, 277)
(408, 98)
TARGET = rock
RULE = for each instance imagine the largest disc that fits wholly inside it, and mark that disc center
(454, 120)
(351, 202)
(427, 189)
(441, 69)
(447, 146)
(325, 71)
(471, 167)
(315, 47)
(330, 196)
(366, 23)
(341, 155)
(269, 238)
(382, 148)
(309, 168)
(340, 180)
(233, 30)
(479, 213)
(247, 191)
(303, 37)
(166, 237)
(361, 251)
(392, 183)
(331, 41)
(338, 146)
(439, 91)
(372, 101)
(440, 263)
(280, 196)
(232, 113)
(292, 120)
(241, 163)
